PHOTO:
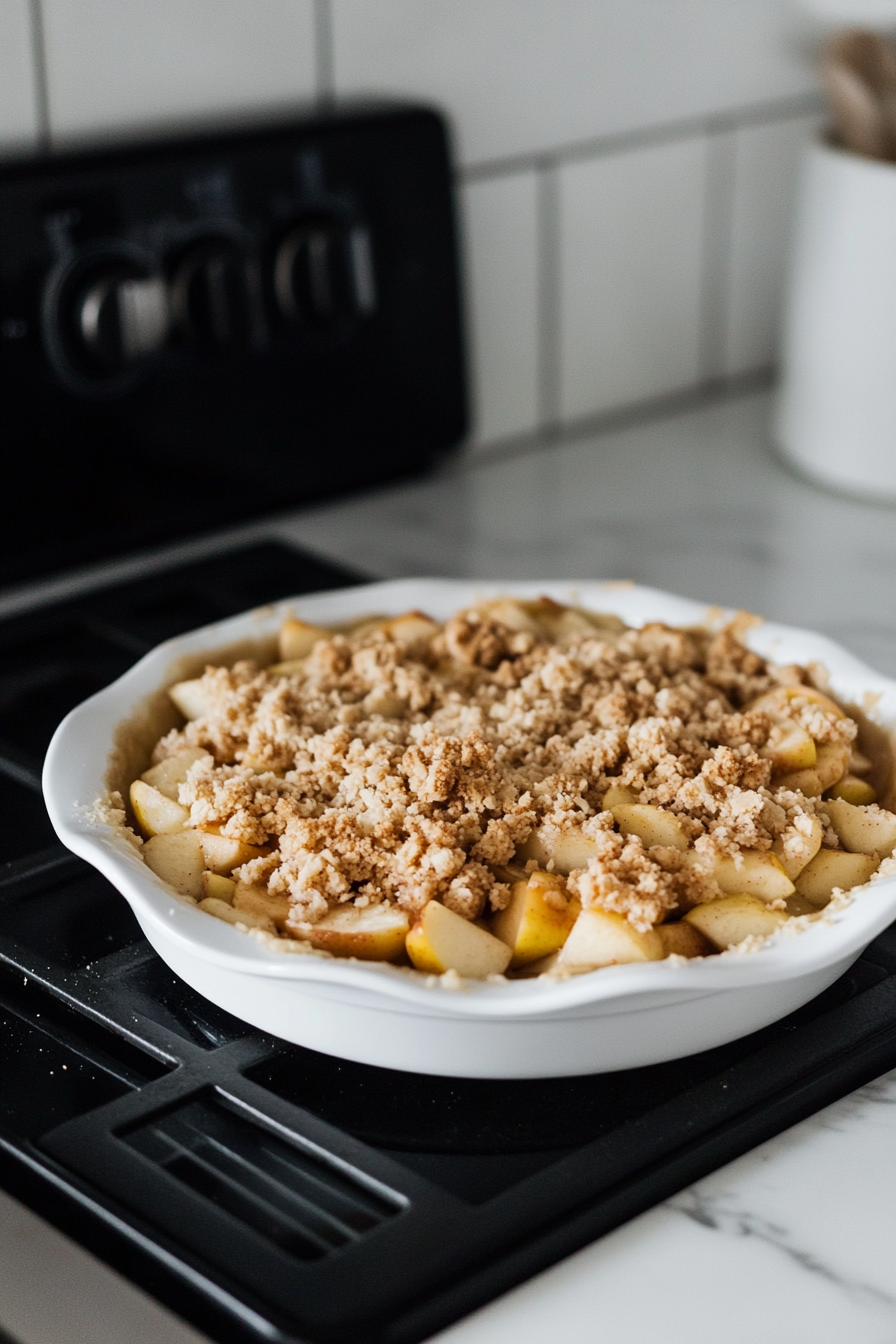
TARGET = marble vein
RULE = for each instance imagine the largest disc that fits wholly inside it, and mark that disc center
(712, 1213)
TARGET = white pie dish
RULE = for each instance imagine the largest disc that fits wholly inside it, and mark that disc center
(618, 1017)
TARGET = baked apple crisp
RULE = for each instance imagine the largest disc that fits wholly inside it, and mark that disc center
(526, 788)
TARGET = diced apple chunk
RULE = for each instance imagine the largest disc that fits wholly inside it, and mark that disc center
(255, 899)
(617, 795)
(831, 760)
(169, 774)
(731, 919)
(382, 700)
(567, 850)
(755, 873)
(795, 848)
(799, 905)
(789, 748)
(801, 781)
(783, 699)
(684, 940)
(533, 969)
(441, 940)
(854, 790)
(287, 669)
(220, 888)
(652, 825)
(834, 868)
(604, 938)
(414, 627)
(222, 854)
(538, 919)
(370, 933)
(156, 814)
(515, 615)
(177, 859)
(221, 910)
(298, 638)
(862, 830)
(192, 698)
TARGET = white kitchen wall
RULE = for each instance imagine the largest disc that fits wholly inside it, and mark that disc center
(626, 168)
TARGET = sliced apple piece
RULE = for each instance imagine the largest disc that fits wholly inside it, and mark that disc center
(731, 919)
(298, 638)
(831, 760)
(795, 849)
(414, 627)
(220, 888)
(515, 615)
(568, 621)
(288, 668)
(862, 830)
(799, 905)
(372, 933)
(567, 850)
(156, 814)
(789, 748)
(653, 825)
(382, 700)
(169, 774)
(533, 969)
(176, 857)
(604, 938)
(254, 899)
(222, 854)
(834, 868)
(781, 701)
(854, 790)
(221, 910)
(193, 698)
(441, 940)
(684, 940)
(807, 782)
(538, 919)
(753, 873)
(618, 795)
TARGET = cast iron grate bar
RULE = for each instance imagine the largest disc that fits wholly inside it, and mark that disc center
(286, 1196)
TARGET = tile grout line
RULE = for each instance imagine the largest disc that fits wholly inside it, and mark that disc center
(324, 62)
(714, 123)
(39, 69)
(718, 224)
(548, 282)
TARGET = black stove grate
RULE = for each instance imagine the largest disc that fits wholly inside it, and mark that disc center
(266, 1191)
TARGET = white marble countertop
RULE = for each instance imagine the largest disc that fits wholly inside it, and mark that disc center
(793, 1242)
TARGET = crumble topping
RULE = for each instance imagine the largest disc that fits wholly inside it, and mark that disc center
(381, 771)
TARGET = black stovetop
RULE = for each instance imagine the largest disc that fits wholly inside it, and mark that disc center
(265, 1191)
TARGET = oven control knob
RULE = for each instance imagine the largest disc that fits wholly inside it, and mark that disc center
(120, 318)
(323, 274)
(210, 296)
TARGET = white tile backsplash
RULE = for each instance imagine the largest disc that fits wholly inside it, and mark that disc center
(500, 235)
(627, 166)
(767, 163)
(524, 76)
(121, 66)
(19, 128)
(631, 246)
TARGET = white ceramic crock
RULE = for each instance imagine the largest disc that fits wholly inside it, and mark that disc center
(836, 414)
(614, 1018)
